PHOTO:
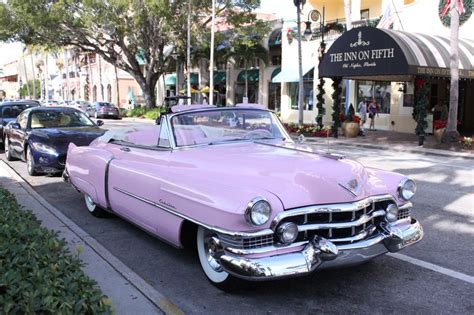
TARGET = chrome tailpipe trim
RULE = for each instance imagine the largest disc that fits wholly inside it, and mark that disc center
(321, 253)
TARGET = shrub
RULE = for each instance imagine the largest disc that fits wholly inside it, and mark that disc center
(153, 114)
(136, 112)
(38, 273)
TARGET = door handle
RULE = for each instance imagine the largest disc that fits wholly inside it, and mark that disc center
(125, 149)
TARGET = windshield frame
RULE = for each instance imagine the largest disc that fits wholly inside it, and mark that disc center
(274, 118)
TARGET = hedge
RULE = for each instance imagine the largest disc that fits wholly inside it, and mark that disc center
(38, 274)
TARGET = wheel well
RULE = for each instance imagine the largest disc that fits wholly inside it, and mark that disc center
(188, 234)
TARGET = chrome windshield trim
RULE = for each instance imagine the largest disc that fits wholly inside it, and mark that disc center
(174, 145)
(337, 207)
(264, 232)
(342, 225)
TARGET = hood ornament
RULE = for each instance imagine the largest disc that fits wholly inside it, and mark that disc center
(352, 186)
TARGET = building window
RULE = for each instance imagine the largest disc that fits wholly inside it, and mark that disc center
(364, 14)
(381, 91)
(274, 96)
(293, 89)
(252, 92)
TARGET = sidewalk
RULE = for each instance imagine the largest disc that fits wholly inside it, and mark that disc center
(129, 293)
(398, 141)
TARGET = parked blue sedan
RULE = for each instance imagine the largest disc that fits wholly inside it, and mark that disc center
(40, 136)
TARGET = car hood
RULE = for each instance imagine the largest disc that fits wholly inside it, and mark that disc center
(296, 177)
(61, 137)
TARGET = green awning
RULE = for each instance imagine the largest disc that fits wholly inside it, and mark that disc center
(194, 78)
(275, 38)
(170, 79)
(252, 75)
(276, 72)
(219, 77)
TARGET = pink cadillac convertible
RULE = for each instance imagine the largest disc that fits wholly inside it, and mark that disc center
(257, 205)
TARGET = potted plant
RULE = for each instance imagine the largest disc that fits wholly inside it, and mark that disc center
(439, 127)
(350, 125)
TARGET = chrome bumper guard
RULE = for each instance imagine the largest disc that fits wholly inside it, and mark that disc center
(65, 176)
(320, 253)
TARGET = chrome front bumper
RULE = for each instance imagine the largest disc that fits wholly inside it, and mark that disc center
(320, 253)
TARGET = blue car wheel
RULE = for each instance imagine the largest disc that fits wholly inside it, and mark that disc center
(30, 162)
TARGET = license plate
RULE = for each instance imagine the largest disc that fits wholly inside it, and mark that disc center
(111, 113)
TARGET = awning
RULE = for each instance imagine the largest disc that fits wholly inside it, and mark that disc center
(219, 77)
(275, 72)
(386, 54)
(252, 75)
(275, 38)
(194, 78)
(291, 74)
(170, 79)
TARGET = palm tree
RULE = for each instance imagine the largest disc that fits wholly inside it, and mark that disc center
(452, 133)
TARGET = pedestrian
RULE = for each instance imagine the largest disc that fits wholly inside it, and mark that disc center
(372, 109)
(363, 115)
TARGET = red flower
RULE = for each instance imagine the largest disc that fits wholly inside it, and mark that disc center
(439, 124)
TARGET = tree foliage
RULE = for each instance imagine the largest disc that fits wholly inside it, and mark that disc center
(117, 30)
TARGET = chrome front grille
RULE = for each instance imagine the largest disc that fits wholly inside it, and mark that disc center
(340, 223)
(246, 242)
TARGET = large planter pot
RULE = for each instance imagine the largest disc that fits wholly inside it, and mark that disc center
(350, 129)
(438, 134)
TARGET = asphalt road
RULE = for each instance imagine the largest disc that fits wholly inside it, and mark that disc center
(444, 205)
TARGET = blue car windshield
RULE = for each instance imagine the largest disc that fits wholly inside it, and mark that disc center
(12, 111)
(56, 119)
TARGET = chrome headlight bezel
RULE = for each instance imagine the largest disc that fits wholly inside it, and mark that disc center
(403, 188)
(252, 208)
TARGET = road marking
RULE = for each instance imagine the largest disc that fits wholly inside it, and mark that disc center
(433, 267)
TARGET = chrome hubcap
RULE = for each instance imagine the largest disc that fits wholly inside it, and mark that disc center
(28, 160)
(90, 203)
(211, 249)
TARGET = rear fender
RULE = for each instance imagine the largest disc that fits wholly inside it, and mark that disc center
(87, 168)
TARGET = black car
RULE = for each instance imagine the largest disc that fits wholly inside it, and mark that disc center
(41, 136)
(103, 110)
(10, 110)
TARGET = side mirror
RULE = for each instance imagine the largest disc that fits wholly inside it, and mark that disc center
(100, 123)
(15, 126)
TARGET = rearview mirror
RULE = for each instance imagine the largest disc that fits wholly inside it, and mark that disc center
(15, 126)
(100, 123)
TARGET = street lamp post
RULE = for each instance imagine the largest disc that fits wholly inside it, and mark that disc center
(211, 66)
(299, 4)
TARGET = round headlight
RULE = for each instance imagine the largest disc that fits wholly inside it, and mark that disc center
(407, 189)
(392, 212)
(287, 232)
(258, 211)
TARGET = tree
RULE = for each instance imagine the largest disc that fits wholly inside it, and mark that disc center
(116, 30)
(26, 88)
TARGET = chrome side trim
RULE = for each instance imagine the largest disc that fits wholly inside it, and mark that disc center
(106, 183)
(212, 228)
(333, 156)
(342, 225)
(337, 207)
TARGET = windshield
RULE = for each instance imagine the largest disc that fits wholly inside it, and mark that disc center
(225, 125)
(12, 111)
(56, 119)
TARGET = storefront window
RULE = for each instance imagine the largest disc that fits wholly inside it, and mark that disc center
(274, 96)
(381, 91)
(252, 92)
(293, 90)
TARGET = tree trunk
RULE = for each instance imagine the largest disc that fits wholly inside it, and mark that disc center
(34, 76)
(117, 86)
(148, 86)
(452, 133)
(26, 77)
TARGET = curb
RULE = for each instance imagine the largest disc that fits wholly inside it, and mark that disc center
(425, 151)
(150, 293)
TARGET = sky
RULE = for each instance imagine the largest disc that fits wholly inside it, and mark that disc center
(284, 9)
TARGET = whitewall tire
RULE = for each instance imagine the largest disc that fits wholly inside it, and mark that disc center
(211, 266)
(93, 208)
